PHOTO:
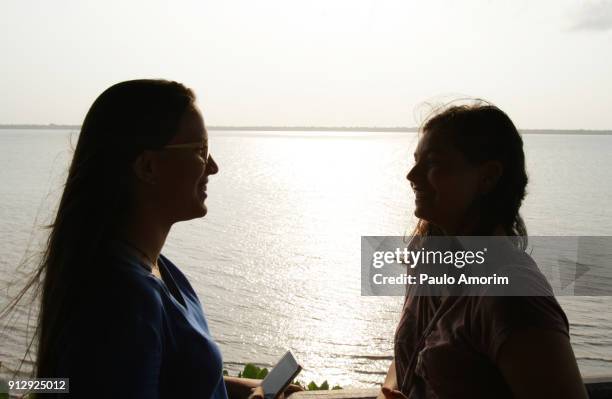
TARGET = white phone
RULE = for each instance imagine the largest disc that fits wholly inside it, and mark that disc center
(279, 378)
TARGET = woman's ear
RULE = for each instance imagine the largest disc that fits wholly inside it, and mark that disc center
(490, 173)
(144, 168)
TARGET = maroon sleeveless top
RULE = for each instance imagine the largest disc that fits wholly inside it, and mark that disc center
(457, 358)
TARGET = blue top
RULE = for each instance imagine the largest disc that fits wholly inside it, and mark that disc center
(135, 336)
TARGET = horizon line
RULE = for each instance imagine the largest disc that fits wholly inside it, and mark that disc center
(398, 129)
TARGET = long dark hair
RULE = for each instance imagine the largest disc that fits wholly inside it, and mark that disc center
(126, 119)
(483, 132)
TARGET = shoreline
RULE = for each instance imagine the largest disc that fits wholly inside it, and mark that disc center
(372, 129)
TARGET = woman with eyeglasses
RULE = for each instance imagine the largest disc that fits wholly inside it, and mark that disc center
(117, 317)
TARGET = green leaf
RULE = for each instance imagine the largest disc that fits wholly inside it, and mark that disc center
(312, 386)
(225, 373)
(262, 374)
(250, 371)
(324, 386)
(336, 387)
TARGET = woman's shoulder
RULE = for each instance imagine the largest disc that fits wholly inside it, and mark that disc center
(522, 275)
(526, 302)
(119, 295)
(527, 299)
(525, 277)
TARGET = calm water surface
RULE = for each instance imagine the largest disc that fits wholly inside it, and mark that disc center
(276, 262)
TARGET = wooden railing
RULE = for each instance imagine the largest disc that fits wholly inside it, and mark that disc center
(599, 387)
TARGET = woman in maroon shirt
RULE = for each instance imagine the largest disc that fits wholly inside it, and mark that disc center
(469, 179)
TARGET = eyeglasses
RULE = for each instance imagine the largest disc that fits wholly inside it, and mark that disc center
(198, 144)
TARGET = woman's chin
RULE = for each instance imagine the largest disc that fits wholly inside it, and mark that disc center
(203, 210)
(202, 203)
(198, 209)
(420, 211)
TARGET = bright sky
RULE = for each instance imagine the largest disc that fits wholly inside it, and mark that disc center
(548, 64)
